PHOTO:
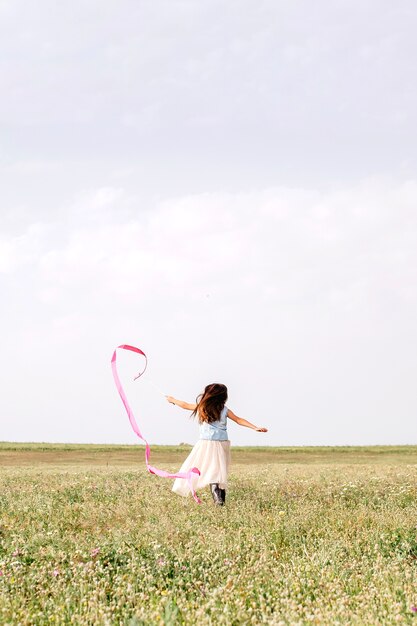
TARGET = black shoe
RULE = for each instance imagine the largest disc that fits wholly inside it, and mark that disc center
(216, 492)
(223, 494)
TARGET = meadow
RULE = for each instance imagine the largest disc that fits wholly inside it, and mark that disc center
(308, 536)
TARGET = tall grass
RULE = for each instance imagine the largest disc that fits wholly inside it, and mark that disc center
(298, 543)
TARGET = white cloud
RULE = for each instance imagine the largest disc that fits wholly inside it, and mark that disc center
(301, 286)
(17, 252)
(208, 241)
(188, 175)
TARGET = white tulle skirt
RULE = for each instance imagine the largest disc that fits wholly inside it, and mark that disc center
(212, 459)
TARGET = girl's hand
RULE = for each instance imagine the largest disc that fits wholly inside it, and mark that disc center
(261, 430)
(183, 405)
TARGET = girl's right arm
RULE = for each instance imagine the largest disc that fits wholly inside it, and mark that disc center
(190, 406)
(243, 422)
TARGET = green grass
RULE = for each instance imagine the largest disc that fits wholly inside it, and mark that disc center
(64, 454)
(309, 535)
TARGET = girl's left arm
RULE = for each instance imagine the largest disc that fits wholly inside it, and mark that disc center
(243, 422)
(190, 406)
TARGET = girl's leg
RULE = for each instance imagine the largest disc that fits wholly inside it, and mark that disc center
(217, 494)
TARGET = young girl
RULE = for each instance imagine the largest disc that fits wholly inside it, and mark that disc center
(211, 454)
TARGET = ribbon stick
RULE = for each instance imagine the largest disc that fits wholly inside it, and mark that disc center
(188, 476)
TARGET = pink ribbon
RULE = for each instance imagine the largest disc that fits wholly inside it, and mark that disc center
(152, 470)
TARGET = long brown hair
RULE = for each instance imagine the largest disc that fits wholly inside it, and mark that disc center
(210, 403)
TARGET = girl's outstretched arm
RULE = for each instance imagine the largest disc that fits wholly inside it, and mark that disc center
(243, 422)
(190, 406)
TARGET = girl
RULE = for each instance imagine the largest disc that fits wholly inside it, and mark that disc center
(211, 454)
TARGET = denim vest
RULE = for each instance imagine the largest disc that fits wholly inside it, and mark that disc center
(216, 431)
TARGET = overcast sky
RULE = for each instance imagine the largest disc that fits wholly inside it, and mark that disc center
(230, 186)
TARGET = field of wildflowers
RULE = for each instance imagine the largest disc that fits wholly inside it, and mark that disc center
(327, 539)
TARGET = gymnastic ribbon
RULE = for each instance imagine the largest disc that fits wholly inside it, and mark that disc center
(151, 469)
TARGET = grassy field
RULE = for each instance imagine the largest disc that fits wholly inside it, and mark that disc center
(308, 536)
